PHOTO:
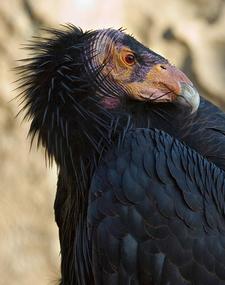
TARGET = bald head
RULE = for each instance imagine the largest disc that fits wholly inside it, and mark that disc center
(136, 70)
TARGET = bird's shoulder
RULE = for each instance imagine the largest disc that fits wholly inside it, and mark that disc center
(154, 204)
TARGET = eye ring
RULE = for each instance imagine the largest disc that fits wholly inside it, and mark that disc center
(129, 59)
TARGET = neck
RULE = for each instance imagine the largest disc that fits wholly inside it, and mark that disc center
(73, 189)
(203, 131)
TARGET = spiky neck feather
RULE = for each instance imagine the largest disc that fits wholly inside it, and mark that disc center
(62, 97)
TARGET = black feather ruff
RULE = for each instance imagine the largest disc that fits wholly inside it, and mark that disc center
(60, 96)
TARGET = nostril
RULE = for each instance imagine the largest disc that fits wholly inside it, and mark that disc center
(162, 66)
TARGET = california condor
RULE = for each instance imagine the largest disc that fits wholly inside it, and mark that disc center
(140, 156)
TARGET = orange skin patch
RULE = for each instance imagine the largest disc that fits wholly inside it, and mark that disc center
(161, 83)
(116, 65)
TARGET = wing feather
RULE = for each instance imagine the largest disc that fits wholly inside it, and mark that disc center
(154, 216)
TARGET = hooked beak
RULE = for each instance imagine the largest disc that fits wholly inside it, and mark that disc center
(166, 83)
(189, 96)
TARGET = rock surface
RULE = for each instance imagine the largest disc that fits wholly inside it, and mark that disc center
(190, 33)
(28, 235)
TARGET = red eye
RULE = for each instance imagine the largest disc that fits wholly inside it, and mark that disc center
(129, 59)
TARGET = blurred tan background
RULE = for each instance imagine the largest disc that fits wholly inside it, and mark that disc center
(190, 33)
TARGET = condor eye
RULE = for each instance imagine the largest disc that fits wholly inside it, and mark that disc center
(129, 59)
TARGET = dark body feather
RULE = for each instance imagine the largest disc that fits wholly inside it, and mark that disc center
(140, 195)
(184, 195)
(156, 214)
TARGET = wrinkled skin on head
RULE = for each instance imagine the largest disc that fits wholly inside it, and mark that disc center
(139, 72)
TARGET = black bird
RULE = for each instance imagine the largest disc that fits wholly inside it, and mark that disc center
(141, 159)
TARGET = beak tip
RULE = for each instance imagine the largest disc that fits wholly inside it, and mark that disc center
(189, 96)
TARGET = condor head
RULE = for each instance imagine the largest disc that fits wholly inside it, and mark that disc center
(74, 80)
(135, 71)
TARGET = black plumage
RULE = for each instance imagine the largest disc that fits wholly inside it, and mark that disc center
(140, 194)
